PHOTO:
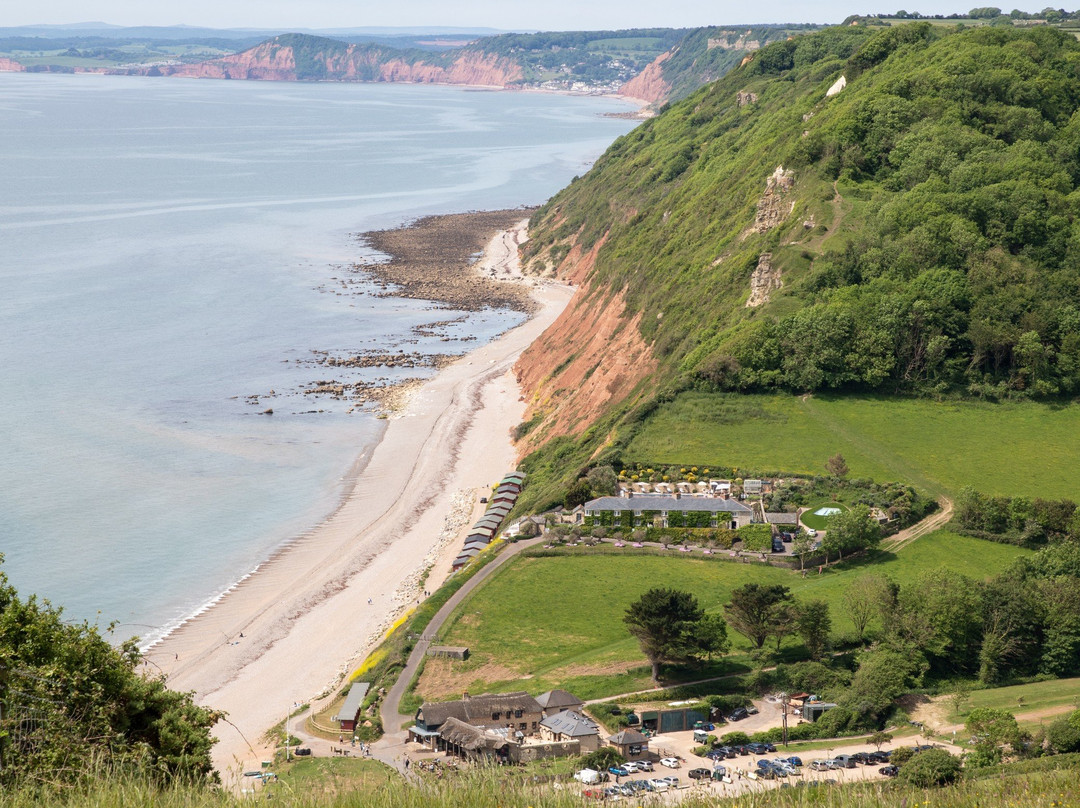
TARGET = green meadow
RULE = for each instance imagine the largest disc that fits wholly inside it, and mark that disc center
(556, 620)
(1047, 698)
(1018, 448)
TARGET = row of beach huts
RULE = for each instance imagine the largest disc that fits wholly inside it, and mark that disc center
(484, 531)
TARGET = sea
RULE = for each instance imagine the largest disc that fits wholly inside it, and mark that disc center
(174, 255)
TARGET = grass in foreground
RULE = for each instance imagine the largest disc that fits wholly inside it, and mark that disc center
(576, 638)
(1015, 448)
(501, 789)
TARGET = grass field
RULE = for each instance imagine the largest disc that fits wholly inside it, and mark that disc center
(557, 621)
(1033, 698)
(1014, 448)
(811, 519)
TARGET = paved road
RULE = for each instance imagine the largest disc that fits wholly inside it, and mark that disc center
(390, 748)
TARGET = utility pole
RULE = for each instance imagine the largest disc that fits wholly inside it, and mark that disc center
(286, 736)
(784, 701)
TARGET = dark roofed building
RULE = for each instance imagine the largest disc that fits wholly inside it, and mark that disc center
(571, 726)
(555, 701)
(631, 744)
(782, 518)
(349, 713)
(466, 740)
(518, 710)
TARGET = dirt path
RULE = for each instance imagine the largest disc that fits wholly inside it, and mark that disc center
(934, 521)
(935, 715)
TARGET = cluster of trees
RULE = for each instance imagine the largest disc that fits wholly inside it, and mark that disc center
(73, 706)
(940, 627)
(994, 13)
(1023, 622)
(962, 274)
(1017, 520)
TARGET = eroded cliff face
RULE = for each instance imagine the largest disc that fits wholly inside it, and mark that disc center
(649, 84)
(10, 66)
(591, 356)
(272, 61)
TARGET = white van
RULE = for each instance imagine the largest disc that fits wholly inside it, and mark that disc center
(587, 776)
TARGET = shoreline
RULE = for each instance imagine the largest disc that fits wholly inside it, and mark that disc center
(290, 629)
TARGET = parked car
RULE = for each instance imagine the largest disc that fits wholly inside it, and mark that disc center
(619, 771)
(714, 754)
(846, 761)
(302, 751)
(589, 776)
(738, 714)
(750, 708)
(670, 762)
(777, 545)
(820, 765)
(862, 758)
(659, 785)
(741, 750)
(699, 774)
(644, 766)
(671, 780)
(889, 771)
(794, 760)
(631, 767)
(880, 757)
(756, 748)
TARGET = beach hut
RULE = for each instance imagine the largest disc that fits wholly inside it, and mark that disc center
(349, 714)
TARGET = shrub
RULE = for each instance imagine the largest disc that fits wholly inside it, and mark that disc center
(934, 767)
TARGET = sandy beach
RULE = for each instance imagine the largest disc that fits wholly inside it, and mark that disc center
(307, 616)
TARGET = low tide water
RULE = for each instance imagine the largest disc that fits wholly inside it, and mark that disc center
(170, 248)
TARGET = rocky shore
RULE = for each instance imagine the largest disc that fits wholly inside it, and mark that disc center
(432, 259)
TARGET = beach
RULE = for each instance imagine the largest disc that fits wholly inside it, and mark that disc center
(291, 630)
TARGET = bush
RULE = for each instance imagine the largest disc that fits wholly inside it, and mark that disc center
(602, 758)
(934, 767)
(1063, 734)
(736, 739)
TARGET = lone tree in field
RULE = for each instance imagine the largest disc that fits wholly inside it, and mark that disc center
(751, 610)
(669, 625)
(837, 466)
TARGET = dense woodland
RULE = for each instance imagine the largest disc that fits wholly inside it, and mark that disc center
(933, 244)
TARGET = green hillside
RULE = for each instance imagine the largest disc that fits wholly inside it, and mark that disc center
(922, 238)
(929, 240)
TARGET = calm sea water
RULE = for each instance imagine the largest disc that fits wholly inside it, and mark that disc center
(170, 247)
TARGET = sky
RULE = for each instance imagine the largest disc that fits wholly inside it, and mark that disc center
(550, 15)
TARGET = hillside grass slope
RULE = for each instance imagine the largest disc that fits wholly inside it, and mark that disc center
(921, 237)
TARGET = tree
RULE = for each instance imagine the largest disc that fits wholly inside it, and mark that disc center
(578, 494)
(879, 739)
(603, 481)
(942, 612)
(959, 696)
(92, 704)
(750, 611)
(814, 626)
(602, 758)
(802, 546)
(837, 466)
(864, 598)
(883, 676)
(784, 619)
(851, 530)
(1063, 734)
(756, 538)
(992, 729)
(666, 624)
(709, 637)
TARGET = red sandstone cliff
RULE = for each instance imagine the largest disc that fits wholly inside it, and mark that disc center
(649, 84)
(275, 61)
(591, 356)
(10, 66)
